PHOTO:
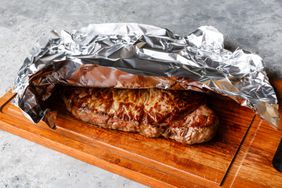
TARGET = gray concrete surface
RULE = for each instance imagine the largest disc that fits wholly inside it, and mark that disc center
(254, 24)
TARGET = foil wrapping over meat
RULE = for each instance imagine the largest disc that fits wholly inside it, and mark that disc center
(129, 55)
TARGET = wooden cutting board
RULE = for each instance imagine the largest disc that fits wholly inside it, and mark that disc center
(154, 162)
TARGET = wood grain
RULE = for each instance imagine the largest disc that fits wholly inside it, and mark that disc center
(256, 166)
(163, 163)
(154, 162)
(253, 164)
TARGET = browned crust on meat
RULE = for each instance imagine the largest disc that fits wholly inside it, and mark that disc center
(178, 115)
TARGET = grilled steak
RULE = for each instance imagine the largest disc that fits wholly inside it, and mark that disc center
(178, 115)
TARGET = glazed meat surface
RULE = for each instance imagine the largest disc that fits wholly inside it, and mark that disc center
(178, 115)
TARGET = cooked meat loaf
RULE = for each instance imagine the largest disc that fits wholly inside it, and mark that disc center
(178, 115)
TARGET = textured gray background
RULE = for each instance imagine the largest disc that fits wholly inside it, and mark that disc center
(255, 25)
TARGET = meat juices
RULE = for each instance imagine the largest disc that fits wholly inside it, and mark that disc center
(179, 115)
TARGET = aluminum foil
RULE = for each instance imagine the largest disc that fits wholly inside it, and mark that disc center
(129, 55)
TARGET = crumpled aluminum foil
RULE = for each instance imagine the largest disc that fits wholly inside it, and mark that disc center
(129, 55)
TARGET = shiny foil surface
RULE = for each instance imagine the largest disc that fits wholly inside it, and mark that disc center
(130, 55)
